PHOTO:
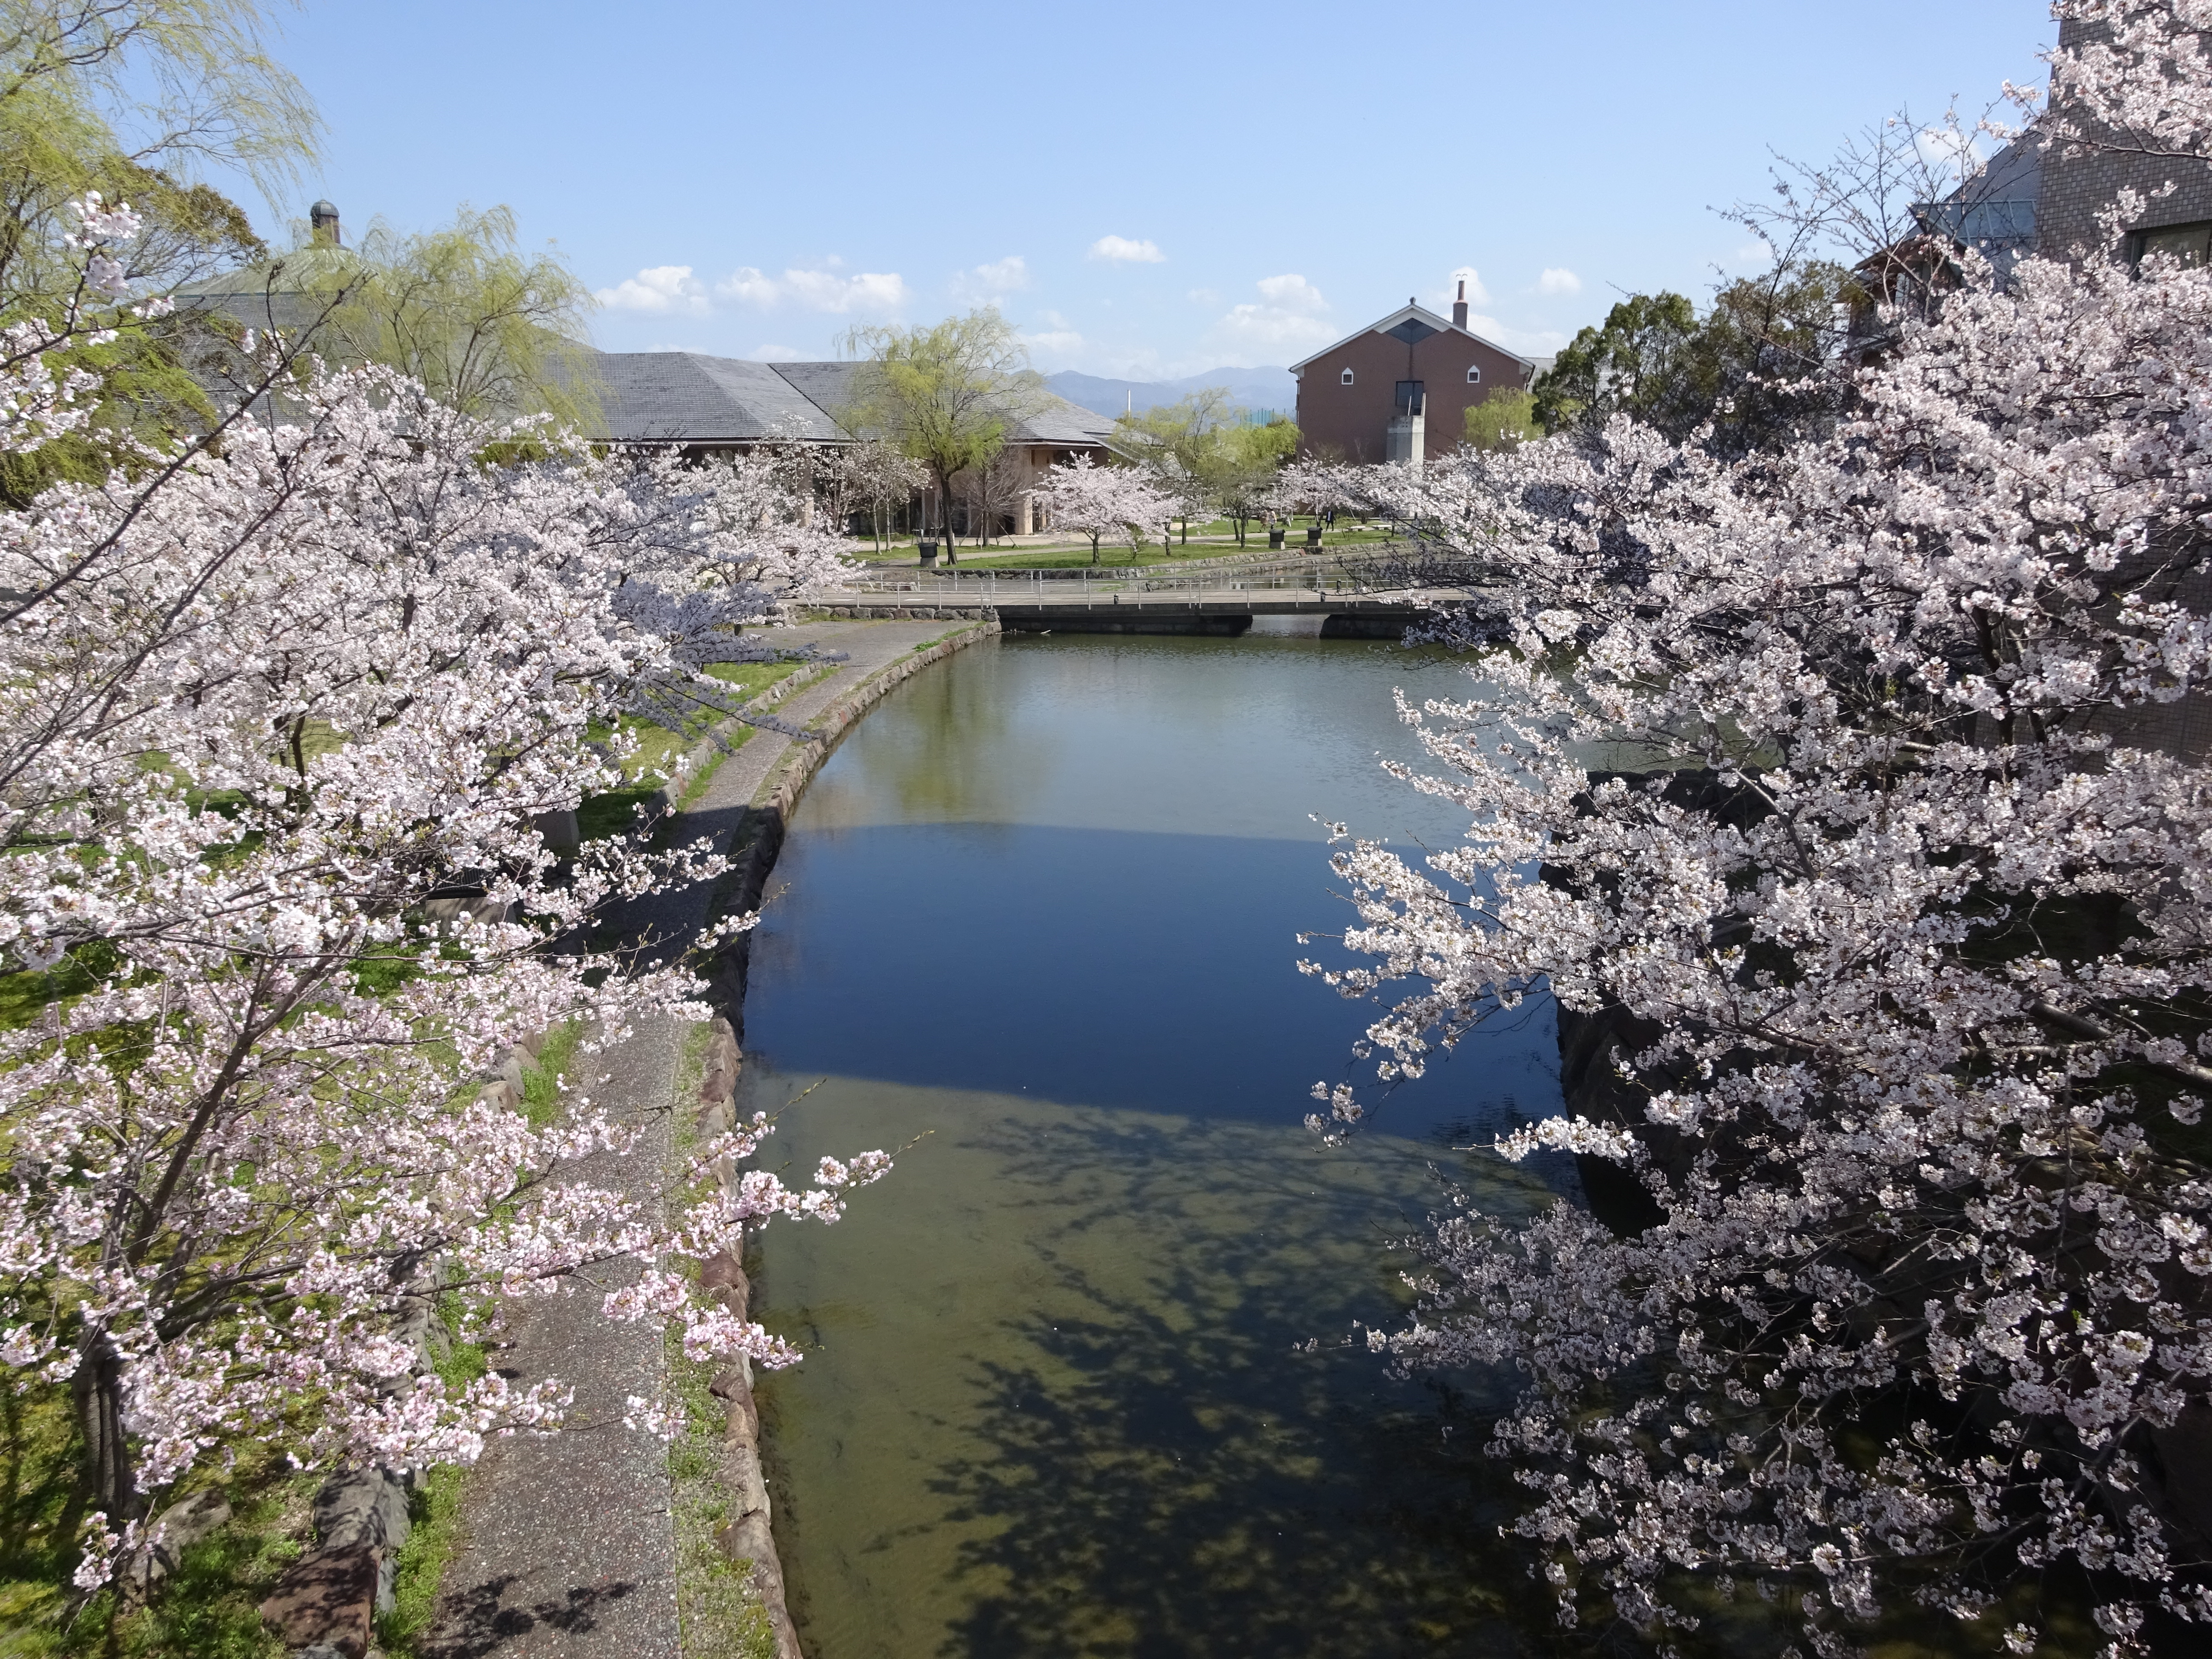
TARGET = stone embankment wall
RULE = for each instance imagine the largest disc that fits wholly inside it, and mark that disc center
(749, 1536)
(325, 1606)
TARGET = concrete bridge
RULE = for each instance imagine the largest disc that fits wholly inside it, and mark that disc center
(1066, 607)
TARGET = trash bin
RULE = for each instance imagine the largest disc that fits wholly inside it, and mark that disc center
(1313, 537)
(929, 556)
(1274, 538)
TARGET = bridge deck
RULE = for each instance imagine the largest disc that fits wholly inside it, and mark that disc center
(1226, 601)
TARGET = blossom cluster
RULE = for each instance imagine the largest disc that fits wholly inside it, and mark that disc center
(263, 701)
(1895, 918)
(1095, 501)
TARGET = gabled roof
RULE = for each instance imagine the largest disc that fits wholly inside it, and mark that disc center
(1412, 324)
(1049, 418)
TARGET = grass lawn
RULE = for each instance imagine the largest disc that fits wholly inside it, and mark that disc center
(658, 748)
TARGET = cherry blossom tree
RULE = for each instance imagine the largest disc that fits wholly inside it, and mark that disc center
(1896, 942)
(262, 701)
(875, 475)
(1095, 501)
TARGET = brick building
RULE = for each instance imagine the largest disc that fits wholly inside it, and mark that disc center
(1400, 389)
(2034, 199)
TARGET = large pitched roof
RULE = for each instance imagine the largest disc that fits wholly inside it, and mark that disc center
(1412, 323)
(674, 396)
(688, 396)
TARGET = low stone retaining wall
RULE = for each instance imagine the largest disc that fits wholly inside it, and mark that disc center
(748, 1537)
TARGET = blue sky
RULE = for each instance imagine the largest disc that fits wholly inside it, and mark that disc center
(1146, 189)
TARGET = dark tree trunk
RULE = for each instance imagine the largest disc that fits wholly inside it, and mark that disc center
(98, 1391)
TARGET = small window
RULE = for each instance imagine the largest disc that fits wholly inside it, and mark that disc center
(1347, 377)
(1474, 374)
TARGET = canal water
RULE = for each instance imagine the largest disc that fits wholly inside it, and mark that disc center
(1086, 1374)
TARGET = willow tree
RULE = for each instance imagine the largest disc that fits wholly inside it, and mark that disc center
(131, 99)
(944, 393)
(485, 328)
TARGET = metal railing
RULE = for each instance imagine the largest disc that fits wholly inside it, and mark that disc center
(997, 588)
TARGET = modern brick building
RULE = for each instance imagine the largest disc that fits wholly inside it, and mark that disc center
(1400, 389)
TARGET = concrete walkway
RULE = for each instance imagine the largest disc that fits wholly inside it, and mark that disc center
(570, 1552)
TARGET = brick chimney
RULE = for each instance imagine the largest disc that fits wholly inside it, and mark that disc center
(1458, 306)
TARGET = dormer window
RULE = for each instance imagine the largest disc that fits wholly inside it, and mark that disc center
(1347, 377)
(1474, 374)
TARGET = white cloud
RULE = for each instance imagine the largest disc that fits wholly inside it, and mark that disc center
(1056, 344)
(1204, 296)
(1121, 250)
(1557, 279)
(657, 287)
(674, 290)
(775, 353)
(1951, 151)
(986, 283)
(1537, 342)
(823, 289)
(1289, 314)
(747, 286)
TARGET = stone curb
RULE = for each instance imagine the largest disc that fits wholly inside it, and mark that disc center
(748, 1537)
(661, 805)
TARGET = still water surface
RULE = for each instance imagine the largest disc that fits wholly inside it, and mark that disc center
(1078, 1379)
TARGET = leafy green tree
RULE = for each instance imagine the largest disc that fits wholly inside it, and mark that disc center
(1634, 364)
(490, 331)
(1250, 457)
(1197, 447)
(1177, 439)
(129, 98)
(944, 393)
(1502, 420)
(1746, 369)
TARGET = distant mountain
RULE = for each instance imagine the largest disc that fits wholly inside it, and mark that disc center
(1253, 388)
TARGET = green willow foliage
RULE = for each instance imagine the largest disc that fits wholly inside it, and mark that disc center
(488, 330)
(131, 98)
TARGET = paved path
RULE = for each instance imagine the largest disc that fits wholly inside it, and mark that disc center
(569, 1553)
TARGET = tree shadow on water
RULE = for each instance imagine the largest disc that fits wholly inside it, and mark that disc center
(1169, 1476)
(1152, 1490)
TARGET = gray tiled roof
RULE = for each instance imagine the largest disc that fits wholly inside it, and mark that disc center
(254, 299)
(687, 396)
(690, 397)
